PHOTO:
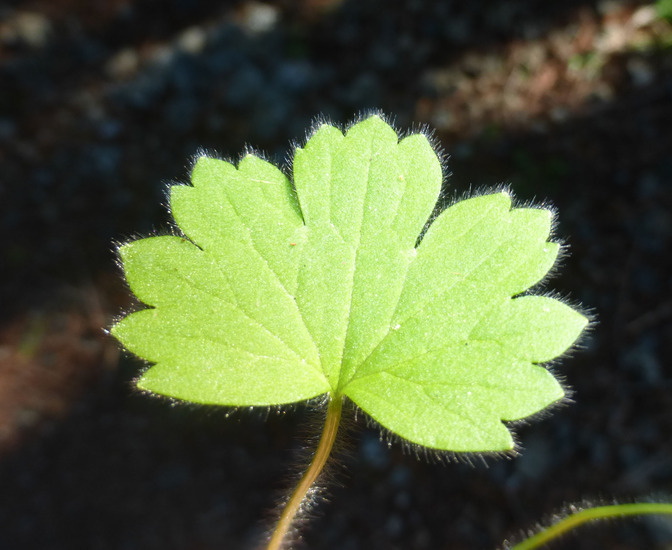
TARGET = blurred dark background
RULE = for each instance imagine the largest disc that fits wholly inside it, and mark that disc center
(103, 103)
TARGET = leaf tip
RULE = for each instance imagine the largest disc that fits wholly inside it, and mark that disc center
(375, 123)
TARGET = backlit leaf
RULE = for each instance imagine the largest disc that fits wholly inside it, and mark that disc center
(281, 291)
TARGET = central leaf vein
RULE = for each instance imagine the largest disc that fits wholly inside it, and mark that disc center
(357, 248)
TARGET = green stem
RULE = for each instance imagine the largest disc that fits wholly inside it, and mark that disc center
(589, 514)
(322, 453)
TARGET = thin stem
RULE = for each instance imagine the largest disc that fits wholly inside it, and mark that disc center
(589, 514)
(322, 453)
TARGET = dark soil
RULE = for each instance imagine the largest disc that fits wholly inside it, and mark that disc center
(103, 103)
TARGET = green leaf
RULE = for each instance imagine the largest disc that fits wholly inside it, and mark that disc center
(279, 292)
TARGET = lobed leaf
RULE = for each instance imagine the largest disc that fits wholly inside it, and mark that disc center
(279, 292)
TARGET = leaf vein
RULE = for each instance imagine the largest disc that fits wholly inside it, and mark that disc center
(277, 278)
(237, 306)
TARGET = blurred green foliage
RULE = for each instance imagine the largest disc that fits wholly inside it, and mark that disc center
(664, 9)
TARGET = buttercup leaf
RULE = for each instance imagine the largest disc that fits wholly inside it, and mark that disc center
(278, 292)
